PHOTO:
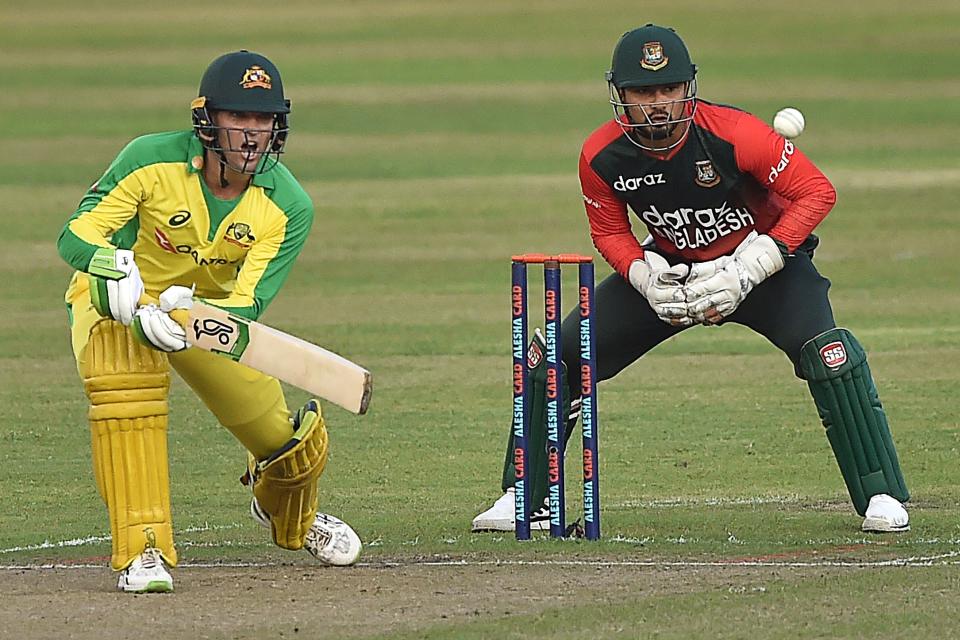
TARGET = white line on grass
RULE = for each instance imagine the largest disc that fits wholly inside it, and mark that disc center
(943, 559)
(912, 561)
(709, 501)
(79, 542)
(915, 561)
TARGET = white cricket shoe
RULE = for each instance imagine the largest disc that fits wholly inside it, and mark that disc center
(885, 514)
(333, 542)
(146, 574)
(330, 540)
(501, 516)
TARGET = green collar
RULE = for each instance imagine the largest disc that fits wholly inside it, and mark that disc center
(264, 180)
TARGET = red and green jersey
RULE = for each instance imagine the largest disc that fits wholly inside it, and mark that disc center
(152, 199)
(732, 175)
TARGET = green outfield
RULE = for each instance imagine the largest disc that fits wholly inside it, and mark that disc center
(436, 139)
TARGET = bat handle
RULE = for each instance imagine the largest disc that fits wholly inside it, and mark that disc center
(181, 316)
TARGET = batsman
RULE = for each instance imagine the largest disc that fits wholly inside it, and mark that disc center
(208, 211)
(730, 207)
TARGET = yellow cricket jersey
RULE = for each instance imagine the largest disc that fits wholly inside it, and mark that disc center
(151, 200)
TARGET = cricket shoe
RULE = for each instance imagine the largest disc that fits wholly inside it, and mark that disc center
(146, 574)
(885, 514)
(330, 540)
(502, 515)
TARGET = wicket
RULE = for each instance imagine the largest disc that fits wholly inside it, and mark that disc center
(556, 421)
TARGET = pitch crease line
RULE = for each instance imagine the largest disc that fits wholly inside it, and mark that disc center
(913, 561)
(79, 542)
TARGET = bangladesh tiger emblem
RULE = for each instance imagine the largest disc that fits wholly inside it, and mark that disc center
(707, 176)
(653, 57)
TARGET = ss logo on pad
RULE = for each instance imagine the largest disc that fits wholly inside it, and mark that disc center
(833, 355)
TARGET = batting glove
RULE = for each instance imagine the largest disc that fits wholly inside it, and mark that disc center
(153, 326)
(115, 284)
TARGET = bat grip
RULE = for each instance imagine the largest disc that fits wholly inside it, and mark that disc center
(181, 316)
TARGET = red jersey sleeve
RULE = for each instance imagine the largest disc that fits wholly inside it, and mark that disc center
(609, 223)
(780, 166)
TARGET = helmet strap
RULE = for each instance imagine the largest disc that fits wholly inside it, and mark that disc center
(223, 169)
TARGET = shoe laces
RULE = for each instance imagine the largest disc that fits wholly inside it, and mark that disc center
(150, 558)
(319, 537)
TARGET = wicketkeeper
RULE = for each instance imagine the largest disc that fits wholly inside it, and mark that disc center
(207, 211)
(730, 207)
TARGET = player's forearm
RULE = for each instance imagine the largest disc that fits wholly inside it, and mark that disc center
(77, 251)
(260, 279)
(619, 250)
(610, 227)
(802, 216)
(243, 306)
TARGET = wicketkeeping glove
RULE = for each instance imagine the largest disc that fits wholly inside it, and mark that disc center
(115, 284)
(662, 286)
(724, 283)
(153, 326)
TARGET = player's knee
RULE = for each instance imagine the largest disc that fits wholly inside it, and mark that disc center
(830, 355)
(123, 378)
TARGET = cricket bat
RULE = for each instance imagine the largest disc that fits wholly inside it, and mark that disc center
(277, 354)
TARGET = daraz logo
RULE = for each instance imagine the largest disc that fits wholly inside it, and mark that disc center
(775, 172)
(632, 184)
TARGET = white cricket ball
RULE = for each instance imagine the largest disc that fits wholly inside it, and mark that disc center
(788, 122)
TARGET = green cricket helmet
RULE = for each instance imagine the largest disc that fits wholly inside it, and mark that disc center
(242, 81)
(649, 56)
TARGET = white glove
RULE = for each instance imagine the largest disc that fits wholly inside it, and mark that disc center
(115, 284)
(662, 286)
(176, 297)
(153, 325)
(716, 288)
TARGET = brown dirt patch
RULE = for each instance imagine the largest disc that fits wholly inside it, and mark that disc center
(306, 602)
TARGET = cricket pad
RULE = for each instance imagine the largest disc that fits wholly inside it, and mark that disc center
(835, 368)
(537, 440)
(127, 384)
(285, 484)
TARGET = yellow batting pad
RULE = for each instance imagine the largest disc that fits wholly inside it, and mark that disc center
(127, 384)
(286, 485)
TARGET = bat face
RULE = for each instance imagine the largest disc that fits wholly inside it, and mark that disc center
(220, 331)
(288, 358)
(229, 338)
